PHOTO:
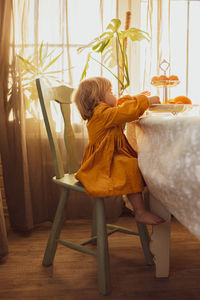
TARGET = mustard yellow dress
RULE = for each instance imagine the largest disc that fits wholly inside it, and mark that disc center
(110, 165)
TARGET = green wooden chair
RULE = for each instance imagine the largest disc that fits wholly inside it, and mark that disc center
(67, 182)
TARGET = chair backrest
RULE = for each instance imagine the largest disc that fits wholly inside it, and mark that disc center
(62, 95)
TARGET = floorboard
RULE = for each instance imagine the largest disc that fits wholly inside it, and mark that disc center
(73, 275)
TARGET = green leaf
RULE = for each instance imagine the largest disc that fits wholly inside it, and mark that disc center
(135, 34)
(37, 65)
(84, 73)
(27, 64)
(40, 52)
(96, 46)
(52, 62)
(114, 25)
(100, 48)
(50, 53)
(106, 35)
(80, 49)
(110, 54)
(45, 52)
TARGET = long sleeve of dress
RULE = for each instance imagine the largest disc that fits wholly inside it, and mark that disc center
(126, 112)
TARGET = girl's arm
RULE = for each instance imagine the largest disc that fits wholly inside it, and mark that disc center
(126, 112)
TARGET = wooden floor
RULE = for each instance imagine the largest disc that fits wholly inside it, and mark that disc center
(73, 275)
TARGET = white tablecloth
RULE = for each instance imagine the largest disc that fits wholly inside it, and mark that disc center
(169, 158)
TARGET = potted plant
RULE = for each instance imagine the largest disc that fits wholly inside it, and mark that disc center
(112, 45)
(37, 65)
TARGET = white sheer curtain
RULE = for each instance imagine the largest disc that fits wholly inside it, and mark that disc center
(63, 26)
(173, 26)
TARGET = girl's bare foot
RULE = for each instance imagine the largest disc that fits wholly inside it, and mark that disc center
(148, 218)
(141, 214)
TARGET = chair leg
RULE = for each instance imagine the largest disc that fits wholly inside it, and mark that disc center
(145, 239)
(55, 231)
(104, 282)
(94, 226)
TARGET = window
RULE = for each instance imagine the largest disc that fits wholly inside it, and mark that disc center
(64, 26)
(180, 33)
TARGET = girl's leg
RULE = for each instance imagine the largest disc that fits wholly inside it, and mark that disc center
(141, 214)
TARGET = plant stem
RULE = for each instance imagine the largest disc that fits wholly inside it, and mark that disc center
(109, 71)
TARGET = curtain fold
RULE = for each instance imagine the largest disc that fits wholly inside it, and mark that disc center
(5, 17)
(3, 233)
(31, 195)
(12, 133)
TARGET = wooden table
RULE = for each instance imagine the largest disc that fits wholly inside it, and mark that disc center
(168, 147)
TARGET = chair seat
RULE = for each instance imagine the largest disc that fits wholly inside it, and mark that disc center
(69, 181)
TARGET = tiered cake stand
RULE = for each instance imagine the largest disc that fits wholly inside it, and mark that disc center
(165, 83)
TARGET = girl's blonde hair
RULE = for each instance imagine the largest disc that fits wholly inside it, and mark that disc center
(89, 93)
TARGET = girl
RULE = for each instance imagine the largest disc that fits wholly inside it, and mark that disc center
(109, 165)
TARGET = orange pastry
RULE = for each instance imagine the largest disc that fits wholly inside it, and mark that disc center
(182, 100)
(155, 78)
(163, 78)
(173, 77)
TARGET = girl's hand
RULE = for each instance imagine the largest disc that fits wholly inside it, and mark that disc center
(154, 100)
(146, 93)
